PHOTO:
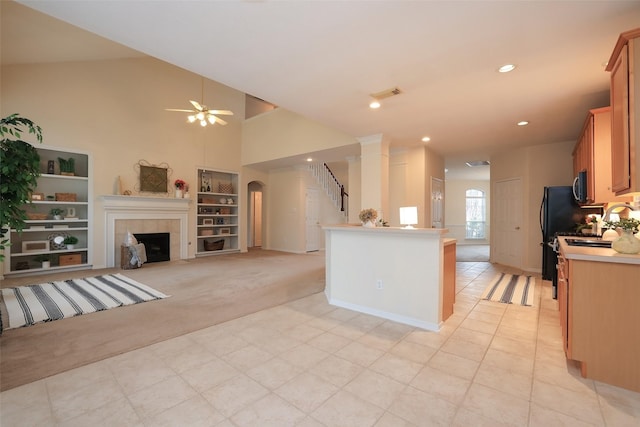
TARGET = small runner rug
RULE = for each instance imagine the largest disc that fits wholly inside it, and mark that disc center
(28, 305)
(511, 289)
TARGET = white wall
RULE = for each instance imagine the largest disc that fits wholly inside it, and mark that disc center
(455, 206)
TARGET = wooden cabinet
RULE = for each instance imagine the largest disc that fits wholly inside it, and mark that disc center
(600, 318)
(42, 238)
(593, 154)
(624, 66)
(449, 280)
(563, 302)
(217, 212)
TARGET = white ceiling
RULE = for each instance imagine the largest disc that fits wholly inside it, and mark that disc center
(322, 59)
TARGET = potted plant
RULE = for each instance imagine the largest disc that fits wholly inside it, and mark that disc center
(56, 213)
(44, 259)
(368, 217)
(18, 175)
(626, 242)
(71, 242)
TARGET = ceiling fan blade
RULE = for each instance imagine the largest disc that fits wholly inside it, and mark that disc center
(176, 109)
(196, 105)
(219, 120)
(223, 112)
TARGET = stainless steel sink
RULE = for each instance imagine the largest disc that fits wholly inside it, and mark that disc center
(597, 243)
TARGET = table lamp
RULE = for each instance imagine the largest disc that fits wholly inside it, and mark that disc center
(409, 216)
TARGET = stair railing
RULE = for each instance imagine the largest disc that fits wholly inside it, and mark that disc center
(331, 185)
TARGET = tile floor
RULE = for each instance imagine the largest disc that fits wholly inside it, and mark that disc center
(307, 363)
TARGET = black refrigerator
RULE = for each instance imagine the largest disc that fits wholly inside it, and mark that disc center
(559, 214)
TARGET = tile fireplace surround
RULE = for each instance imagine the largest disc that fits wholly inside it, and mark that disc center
(145, 215)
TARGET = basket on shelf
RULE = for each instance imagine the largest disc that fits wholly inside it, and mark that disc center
(66, 197)
(216, 245)
(225, 187)
(37, 216)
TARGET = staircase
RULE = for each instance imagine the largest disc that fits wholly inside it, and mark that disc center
(331, 186)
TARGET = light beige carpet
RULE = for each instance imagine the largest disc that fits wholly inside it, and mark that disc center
(205, 292)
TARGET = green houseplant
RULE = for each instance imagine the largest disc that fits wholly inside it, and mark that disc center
(19, 172)
(56, 213)
(70, 241)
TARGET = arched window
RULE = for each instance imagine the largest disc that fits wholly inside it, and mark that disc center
(476, 214)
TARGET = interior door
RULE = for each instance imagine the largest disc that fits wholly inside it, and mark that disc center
(312, 221)
(508, 236)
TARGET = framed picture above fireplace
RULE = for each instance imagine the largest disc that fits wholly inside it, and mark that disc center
(153, 178)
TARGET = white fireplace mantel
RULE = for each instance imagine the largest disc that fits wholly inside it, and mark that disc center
(145, 208)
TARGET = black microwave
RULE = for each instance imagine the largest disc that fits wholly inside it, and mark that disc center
(580, 187)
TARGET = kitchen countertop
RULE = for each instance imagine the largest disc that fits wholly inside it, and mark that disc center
(595, 254)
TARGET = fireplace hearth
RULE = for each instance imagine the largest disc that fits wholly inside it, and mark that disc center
(157, 246)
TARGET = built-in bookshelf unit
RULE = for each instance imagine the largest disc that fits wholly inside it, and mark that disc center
(60, 209)
(217, 212)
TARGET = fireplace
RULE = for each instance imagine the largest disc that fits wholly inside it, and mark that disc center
(156, 245)
(145, 215)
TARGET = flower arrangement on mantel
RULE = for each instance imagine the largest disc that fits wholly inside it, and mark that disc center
(180, 184)
(369, 214)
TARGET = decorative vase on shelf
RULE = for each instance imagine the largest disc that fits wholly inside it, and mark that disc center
(186, 195)
(626, 243)
(178, 193)
(368, 224)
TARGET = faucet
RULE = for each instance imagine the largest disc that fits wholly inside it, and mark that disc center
(617, 205)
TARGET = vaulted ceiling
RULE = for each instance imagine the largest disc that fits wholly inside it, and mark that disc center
(323, 59)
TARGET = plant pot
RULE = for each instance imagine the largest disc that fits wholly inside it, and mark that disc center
(178, 193)
(626, 243)
(46, 264)
(369, 224)
(72, 246)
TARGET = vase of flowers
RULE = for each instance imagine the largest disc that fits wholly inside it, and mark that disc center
(626, 243)
(368, 217)
(180, 184)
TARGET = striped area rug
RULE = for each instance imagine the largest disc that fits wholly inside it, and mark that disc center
(28, 305)
(511, 289)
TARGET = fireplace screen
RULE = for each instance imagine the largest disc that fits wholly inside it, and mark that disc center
(156, 246)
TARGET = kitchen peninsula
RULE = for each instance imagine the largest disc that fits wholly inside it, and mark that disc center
(400, 274)
(598, 294)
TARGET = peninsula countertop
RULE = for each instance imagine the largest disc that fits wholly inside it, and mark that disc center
(596, 254)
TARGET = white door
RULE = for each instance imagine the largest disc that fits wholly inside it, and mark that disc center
(312, 221)
(507, 214)
(437, 203)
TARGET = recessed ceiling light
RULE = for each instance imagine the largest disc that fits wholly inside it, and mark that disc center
(523, 123)
(506, 68)
(374, 104)
(426, 139)
(309, 159)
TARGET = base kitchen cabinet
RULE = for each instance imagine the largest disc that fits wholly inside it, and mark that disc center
(599, 313)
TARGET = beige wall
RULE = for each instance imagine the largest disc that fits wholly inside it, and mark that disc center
(537, 166)
(115, 111)
(281, 133)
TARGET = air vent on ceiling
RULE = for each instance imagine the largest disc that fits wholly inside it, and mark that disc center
(477, 163)
(386, 93)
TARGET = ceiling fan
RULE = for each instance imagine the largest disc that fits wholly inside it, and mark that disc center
(203, 114)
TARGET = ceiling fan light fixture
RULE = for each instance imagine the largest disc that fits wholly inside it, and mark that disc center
(191, 119)
(203, 123)
(200, 116)
(212, 120)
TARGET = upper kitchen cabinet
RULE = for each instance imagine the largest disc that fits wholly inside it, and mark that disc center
(624, 65)
(593, 154)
